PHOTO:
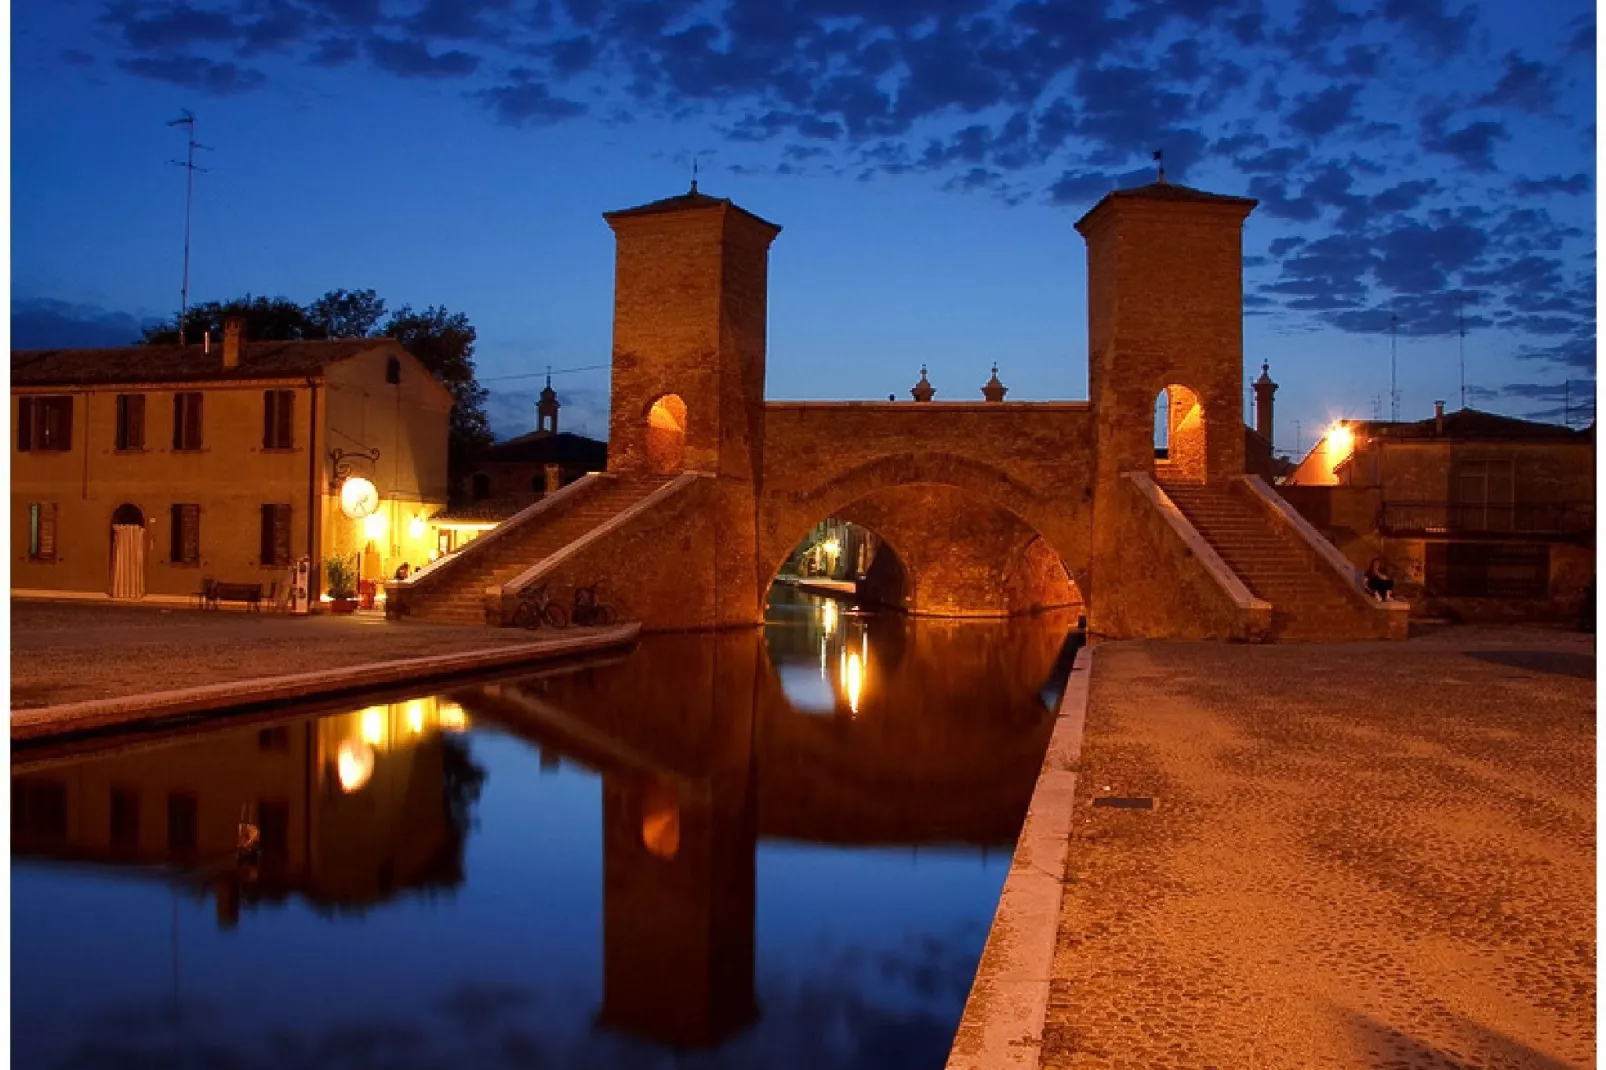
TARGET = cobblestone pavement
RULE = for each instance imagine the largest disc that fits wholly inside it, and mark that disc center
(67, 652)
(1367, 855)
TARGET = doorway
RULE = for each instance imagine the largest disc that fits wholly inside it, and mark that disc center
(128, 553)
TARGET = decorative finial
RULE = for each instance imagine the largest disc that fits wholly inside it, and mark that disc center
(694, 174)
(993, 390)
(923, 390)
(1159, 158)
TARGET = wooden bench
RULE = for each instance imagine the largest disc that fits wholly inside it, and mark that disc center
(248, 593)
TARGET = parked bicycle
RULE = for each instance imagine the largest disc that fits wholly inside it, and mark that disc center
(536, 608)
(587, 610)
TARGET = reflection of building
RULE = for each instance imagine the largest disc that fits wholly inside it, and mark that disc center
(513, 474)
(834, 549)
(139, 471)
(350, 808)
(1474, 512)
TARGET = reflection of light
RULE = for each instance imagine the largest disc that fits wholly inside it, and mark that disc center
(855, 680)
(831, 546)
(416, 528)
(415, 716)
(373, 526)
(373, 725)
(828, 616)
(660, 822)
(355, 764)
(451, 717)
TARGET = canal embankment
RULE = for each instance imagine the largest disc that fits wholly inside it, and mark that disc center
(81, 668)
(1006, 1011)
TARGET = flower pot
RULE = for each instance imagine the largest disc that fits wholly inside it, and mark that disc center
(343, 605)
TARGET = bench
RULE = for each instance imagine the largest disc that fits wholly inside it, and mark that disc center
(248, 593)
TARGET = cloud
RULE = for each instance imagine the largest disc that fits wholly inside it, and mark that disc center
(195, 72)
(525, 102)
(45, 323)
(1322, 113)
(1431, 25)
(76, 57)
(409, 58)
(1472, 144)
(1526, 85)
(1571, 184)
(173, 26)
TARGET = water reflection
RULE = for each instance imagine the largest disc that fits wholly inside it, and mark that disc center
(702, 757)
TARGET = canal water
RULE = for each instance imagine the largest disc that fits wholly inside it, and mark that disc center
(754, 849)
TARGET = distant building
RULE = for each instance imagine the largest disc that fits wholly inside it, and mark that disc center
(1478, 514)
(519, 472)
(136, 472)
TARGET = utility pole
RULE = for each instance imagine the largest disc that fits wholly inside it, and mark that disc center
(1299, 438)
(187, 120)
(1461, 323)
(1567, 403)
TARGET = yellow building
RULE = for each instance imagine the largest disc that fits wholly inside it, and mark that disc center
(138, 472)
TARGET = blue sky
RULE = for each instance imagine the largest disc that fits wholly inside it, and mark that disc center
(927, 159)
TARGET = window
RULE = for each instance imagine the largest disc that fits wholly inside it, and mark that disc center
(273, 822)
(1484, 494)
(130, 421)
(186, 421)
(1487, 570)
(182, 823)
(44, 423)
(273, 739)
(278, 411)
(275, 535)
(125, 819)
(42, 531)
(393, 370)
(186, 534)
(39, 810)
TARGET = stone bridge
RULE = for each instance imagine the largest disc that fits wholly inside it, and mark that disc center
(989, 508)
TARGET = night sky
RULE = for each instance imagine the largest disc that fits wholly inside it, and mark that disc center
(927, 159)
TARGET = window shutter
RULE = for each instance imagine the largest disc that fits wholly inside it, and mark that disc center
(265, 552)
(281, 535)
(121, 439)
(178, 421)
(136, 421)
(191, 546)
(47, 531)
(286, 414)
(175, 542)
(65, 441)
(268, 424)
(193, 422)
(24, 424)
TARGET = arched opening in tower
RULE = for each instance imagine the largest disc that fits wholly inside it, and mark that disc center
(1179, 435)
(666, 434)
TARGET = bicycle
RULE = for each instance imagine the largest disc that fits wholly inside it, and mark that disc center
(588, 611)
(536, 607)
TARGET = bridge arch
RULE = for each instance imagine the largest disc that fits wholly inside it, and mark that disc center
(904, 497)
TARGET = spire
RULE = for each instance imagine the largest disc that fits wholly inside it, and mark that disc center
(1264, 389)
(546, 410)
(993, 390)
(923, 390)
(1159, 158)
(694, 174)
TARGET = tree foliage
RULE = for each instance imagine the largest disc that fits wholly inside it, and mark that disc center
(443, 342)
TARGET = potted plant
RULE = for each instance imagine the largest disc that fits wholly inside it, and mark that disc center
(340, 579)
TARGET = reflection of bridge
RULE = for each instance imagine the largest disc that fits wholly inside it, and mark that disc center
(989, 507)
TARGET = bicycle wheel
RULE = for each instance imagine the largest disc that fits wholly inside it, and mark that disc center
(554, 615)
(524, 616)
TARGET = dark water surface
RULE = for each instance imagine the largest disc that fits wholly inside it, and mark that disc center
(776, 849)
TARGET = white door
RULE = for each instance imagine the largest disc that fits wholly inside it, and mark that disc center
(128, 561)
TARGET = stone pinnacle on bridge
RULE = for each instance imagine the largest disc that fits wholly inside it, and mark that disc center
(992, 389)
(923, 390)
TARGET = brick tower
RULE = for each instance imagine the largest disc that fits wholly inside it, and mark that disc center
(1165, 312)
(691, 282)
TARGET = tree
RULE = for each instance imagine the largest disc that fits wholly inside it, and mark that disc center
(267, 319)
(347, 313)
(444, 343)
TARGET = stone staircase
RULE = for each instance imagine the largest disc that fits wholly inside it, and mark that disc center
(458, 596)
(1308, 599)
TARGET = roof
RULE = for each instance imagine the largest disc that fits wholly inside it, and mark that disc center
(175, 363)
(686, 202)
(486, 510)
(1469, 425)
(1167, 191)
(544, 447)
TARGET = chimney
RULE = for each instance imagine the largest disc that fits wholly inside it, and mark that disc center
(1264, 389)
(233, 339)
(1438, 417)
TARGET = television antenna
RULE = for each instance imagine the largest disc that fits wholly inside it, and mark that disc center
(187, 120)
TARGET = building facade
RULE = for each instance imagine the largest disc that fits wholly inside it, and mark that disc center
(138, 472)
(1477, 515)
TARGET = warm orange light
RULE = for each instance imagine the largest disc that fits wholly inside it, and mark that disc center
(1340, 442)
(660, 822)
(415, 716)
(355, 764)
(373, 725)
(451, 717)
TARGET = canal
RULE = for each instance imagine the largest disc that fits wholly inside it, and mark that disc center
(777, 848)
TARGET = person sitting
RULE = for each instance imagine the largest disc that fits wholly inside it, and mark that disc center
(1378, 581)
(403, 572)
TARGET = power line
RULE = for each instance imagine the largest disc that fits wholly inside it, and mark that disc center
(550, 371)
(188, 120)
(1461, 319)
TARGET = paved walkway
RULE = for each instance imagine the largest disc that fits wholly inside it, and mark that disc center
(65, 652)
(1369, 855)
